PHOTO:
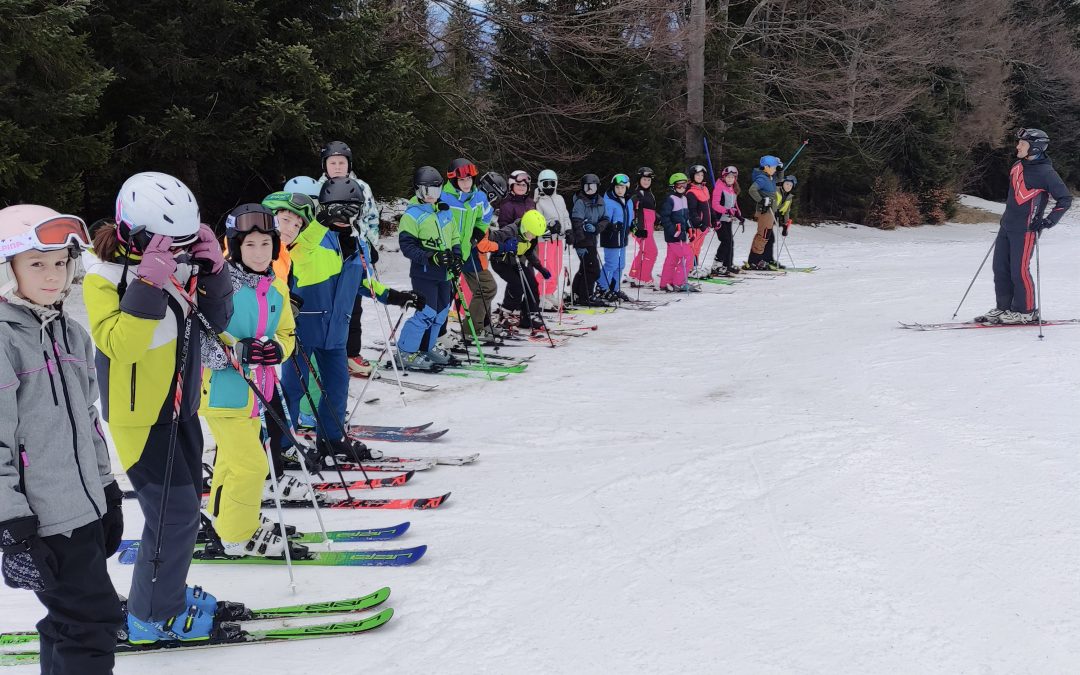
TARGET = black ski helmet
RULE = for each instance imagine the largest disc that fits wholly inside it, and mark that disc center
(694, 169)
(590, 179)
(1036, 138)
(493, 185)
(248, 218)
(428, 176)
(335, 149)
(341, 190)
(645, 172)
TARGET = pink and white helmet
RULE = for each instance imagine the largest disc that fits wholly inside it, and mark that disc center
(26, 227)
(729, 170)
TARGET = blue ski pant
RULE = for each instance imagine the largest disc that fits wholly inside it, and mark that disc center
(611, 272)
(421, 331)
(334, 374)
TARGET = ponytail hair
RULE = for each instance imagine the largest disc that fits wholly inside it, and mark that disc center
(107, 246)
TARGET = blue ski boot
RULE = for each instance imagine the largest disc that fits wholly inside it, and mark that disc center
(191, 625)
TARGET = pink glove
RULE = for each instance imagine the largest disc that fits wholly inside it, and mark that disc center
(158, 263)
(206, 252)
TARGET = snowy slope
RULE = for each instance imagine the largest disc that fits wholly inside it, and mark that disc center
(774, 481)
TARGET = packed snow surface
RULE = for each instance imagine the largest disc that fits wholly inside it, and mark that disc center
(779, 480)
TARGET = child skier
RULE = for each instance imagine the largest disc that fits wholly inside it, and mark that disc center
(550, 250)
(517, 263)
(644, 229)
(472, 212)
(261, 334)
(675, 217)
(619, 208)
(589, 220)
(327, 286)
(698, 201)
(59, 519)
(429, 239)
(785, 199)
(157, 263)
(725, 208)
(763, 192)
(337, 162)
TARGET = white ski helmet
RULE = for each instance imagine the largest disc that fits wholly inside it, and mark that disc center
(26, 227)
(157, 203)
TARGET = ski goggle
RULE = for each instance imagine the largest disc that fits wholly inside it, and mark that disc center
(729, 170)
(521, 179)
(423, 192)
(49, 235)
(250, 222)
(297, 202)
(462, 172)
(679, 184)
(549, 184)
(620, 179)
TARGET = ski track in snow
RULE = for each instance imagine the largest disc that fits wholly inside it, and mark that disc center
(775, 481)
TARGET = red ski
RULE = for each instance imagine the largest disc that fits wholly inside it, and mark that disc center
(366, 484)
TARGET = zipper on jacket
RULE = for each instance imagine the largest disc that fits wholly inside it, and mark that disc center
(133, 373)
(23, 461)
(52, 383)
(74, 428)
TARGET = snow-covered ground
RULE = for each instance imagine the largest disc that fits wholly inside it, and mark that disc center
(779, 480)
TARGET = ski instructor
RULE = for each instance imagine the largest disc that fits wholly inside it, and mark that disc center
(1032, 181)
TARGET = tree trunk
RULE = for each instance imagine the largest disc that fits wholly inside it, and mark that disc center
(695, 79)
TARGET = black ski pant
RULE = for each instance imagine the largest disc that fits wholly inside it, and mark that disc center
(520, 295)
(1012, 270)
(725, 250)
(150, 600)
(78, 635)
(584, 284)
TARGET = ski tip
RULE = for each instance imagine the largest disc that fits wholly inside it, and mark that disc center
(402, 528)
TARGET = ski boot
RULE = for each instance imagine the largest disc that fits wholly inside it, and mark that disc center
(622, 297)
(418, 361)
(290, 488)
(773, 266)
(347, 450)
(1012, 318)
(306, 421)
(221, 610)
(360, 367)
(993, 316)
(441, 357)
(191, 625)
(718, 270)
(597, 300)
(264, 543)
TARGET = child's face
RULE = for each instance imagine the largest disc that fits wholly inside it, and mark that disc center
(337, 166)
(645, 182)
(770, 170)
(465, 183)
(788, 186)
(521, 188)
(289, 224)
(257, 251)
(42, 275)
(699, 177)
(620, 190)
(730, 179)
(1023, 149)
(680, 187)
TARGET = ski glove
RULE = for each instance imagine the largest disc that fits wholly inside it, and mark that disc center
(543, 271)
(785, 226)
(272, 353)
(401, 298)
(589, 228)
(766, 202)
(254, 351)
(339, 214)
(113, 520)
(640, 232)
(555, 228)
(1040, 224)
(509, 246)
(206, 251)
(27, 562)
(157, 263)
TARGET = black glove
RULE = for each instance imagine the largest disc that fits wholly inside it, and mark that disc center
(272, 353)
(640, 232)
(296, 303)
(248, 350)
(1040, 224)
(603, 225)
(555, 228)
(339, 214)
(543, 271)
(401, 298)
(784, 229)
(442, 258)
(455, 265)
(374, 255)
(113, 520)
(477, 235)
(27, 562)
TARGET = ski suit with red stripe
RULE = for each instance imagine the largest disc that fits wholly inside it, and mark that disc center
(1031, 184)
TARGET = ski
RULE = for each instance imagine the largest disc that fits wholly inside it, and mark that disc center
(375, 428)
(416, 503)
(495, 358)
(714, 280)
(387, 558)
(330, 608)
(418, 464)
(366, 483)
(230, 634)
(495, 374)
(589, 310)
(958, 325)
(378, 377)
(388, 436)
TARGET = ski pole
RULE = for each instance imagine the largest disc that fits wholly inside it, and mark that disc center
(562, 277)
(526, 289)
(797, 153)
(276, 490)
(985, 258)
(708, 160)
(373, 277)
(455, 284)
(382, 354)
(640, 257)
(305, 472)
(1038, 286)
(320, 426)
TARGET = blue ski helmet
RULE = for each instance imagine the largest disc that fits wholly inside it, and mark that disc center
(769, 160)
(305, 185)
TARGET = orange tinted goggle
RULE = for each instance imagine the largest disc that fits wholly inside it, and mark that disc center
(462, 172)
(48, 235)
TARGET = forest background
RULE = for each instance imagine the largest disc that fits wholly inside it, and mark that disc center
(904, 103)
